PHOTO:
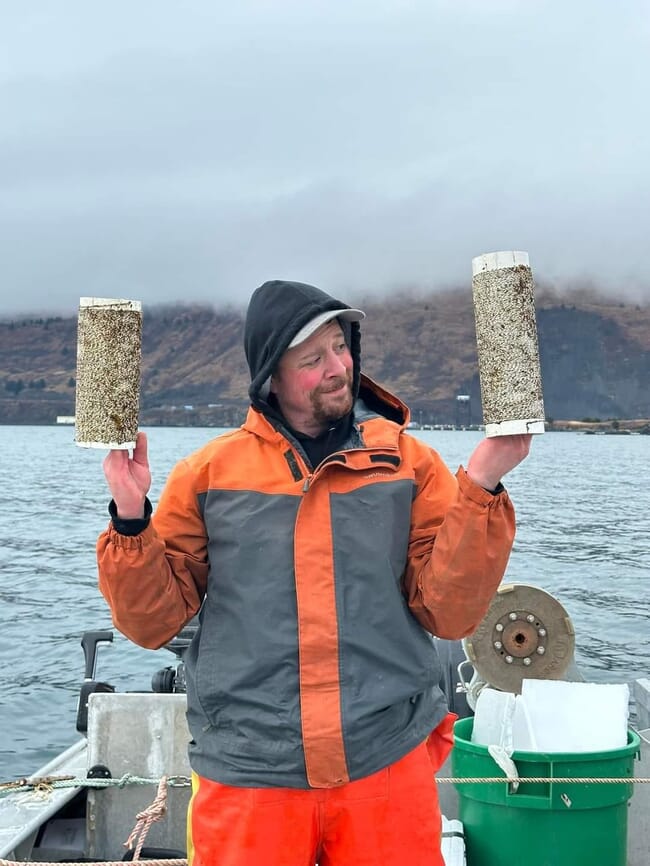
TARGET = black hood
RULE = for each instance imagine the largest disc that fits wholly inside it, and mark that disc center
(278, 309)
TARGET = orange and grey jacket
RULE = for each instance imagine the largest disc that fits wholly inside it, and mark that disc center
(318, 589)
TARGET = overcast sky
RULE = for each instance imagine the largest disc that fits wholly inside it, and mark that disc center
(188, 150)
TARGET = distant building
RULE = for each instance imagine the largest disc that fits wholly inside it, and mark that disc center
(463, 410)
(65, 419)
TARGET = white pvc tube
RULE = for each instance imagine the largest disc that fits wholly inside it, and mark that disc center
(506, 337)
(108, 373)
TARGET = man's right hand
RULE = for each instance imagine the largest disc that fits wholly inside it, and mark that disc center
(129, 479)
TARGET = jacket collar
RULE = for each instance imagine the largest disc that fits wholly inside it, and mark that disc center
(374, 402)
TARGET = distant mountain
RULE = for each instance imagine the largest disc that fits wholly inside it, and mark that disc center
(594, 352)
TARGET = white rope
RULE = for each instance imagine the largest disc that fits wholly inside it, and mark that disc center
(577, 780)
(146, 818)
(47, 783)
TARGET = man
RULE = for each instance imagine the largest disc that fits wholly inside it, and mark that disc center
(322, 546)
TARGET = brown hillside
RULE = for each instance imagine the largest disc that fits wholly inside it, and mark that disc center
(595, 355)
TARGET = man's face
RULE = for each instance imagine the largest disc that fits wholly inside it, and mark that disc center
(313, 381)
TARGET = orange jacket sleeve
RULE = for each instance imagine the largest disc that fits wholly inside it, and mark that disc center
(155, 586)
(460, 542)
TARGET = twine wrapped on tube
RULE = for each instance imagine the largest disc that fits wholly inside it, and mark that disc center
(508, 351)
(109, 348)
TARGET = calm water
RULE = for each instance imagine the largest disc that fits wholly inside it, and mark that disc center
(582, 507)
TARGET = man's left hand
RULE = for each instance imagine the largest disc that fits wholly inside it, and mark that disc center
(495, 456)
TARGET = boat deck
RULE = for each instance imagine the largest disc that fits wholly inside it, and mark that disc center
(156, 744)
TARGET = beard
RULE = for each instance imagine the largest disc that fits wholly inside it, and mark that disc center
(330, 407)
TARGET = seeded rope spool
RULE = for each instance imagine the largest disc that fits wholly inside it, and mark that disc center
(109, 349)
(506, 336)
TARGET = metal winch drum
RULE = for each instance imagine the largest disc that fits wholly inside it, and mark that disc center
(525, 634)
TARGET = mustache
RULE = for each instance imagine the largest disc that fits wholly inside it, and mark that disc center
(336, 385)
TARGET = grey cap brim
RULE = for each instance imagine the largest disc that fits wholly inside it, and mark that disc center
(318, 321)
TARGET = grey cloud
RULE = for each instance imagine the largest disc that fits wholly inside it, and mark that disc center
(188, 151)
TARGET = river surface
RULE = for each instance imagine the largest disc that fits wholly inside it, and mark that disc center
(582, 516)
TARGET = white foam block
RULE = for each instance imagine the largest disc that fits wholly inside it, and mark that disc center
(493, 718)
(559, 716)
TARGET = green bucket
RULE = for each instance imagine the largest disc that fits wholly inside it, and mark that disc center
(544, 823)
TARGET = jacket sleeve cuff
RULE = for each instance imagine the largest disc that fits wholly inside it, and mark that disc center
(474, 491)
(130, 527)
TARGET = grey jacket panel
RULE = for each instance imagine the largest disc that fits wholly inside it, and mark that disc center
(242, 669)
(389, 665)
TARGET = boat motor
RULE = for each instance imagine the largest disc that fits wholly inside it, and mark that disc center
(90, 640)
(172, 679)
(526, 633)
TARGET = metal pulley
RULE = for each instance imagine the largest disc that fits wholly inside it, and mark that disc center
(525, 634)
